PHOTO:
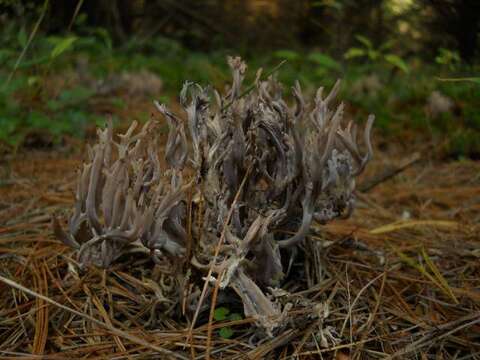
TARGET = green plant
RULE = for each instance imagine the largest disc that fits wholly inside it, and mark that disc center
(376, 55)
(286, 54)
(448, 58)
(324, 64)
(26, 106)
(222, 314)
(61, 45)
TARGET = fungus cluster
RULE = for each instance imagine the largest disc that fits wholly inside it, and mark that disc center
(245, 176)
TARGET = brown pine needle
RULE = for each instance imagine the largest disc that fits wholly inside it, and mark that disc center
(110, 328)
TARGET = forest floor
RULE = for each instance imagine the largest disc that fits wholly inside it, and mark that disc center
(400, 279)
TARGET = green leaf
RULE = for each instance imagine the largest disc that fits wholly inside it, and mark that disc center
(226, 332)
(235, 317)
(106, 37)
(398, 62)
(118, 103)
(164, 99)
(72, 121)
(373, 54)
(36, 61)
(75, 95)
(63, 45)
(320, 73)
(5, 55)
(54, 105)
(289, 55)
(33, 80)
(447, 57)
(9, 130)
(386, 45)
(81, 19)
(354, 53)
(38, 120)
(324, 60)
(365, 41)
(221, 313)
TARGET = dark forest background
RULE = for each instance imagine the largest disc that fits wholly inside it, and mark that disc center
(66, 64)
(419, 28)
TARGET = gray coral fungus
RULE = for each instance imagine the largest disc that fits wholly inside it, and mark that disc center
(249, 161)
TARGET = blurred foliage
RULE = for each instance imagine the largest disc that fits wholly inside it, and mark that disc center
(376, 55)
(448, 58)
(58, 80)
